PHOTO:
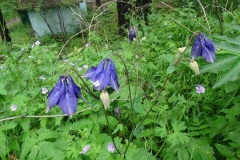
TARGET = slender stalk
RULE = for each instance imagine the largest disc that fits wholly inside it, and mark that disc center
(50, 116)
(165, 81)
(160, 149)
(109, 130)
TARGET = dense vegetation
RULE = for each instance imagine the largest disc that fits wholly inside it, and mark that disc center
(163, 110)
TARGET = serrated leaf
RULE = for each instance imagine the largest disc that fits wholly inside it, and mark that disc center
(233, 40)
(33, 153)
(14, 145)
(222, 63)
(8, 126)
(111, 120)
(228, 47)
(171, 69)
(224, 150)
(25, 124)
(182, 154)
(231, 75)
(177, 136)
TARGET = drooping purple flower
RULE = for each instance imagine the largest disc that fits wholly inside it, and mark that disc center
(111, 147)
(200, 89)
(65, 94)
(103, 75)
(203, 47)
(85, 149)
(132, 33)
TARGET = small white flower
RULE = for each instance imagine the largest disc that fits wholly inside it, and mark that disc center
(79, 68)
(42, 77)
(37, 43)
(85, 66)
(22, 49)
(13, 107)
(33, 46)
(30, 56)
(65, 60)
(44, 90)
(87, 45)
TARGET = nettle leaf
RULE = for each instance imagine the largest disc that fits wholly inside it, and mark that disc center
(231, 75)
(228, 46)
(224, 150)
(222, 63)
(233, 40)
(177, 136)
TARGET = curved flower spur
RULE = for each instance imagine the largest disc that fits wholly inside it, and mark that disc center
(65, 94)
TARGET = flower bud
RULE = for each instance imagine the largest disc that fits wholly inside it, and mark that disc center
(117, 111)
(181, 49)
(105, 99)
(194, 66)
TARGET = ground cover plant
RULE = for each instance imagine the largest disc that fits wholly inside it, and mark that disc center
(167, 90)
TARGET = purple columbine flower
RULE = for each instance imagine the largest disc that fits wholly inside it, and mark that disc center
(44, 90)
(203, 47)
(85, 149)
(13, 107)
(103, 75)
(132, 33)
(200, 89)
(65, 94)
(111, 147)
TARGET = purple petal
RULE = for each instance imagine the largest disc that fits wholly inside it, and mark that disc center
(103, 80)
(113, 77)
(76, 88)
(197, 47)
(90, 72)
(69, 101)
(208, 51)
(55, 93)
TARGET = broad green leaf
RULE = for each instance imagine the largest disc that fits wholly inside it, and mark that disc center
(233, 40)
(14, 145)
(2, 89)
(182, 153)
(231, 75)
(111, 120)
(177, 136)
(171, 69)
(33, 153)
(228, 47)
(8, 126)
(25, 124)
(139, 108)
(224, 150)
(222, 63)
(27, 145)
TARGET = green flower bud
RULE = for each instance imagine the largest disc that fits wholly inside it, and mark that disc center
(105, 99)
(194, 66)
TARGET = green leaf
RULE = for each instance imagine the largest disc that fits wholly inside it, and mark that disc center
(33, 153)
(177, 136)
(224, 150)
(228, 47)
(111, 120)
(233, 40)
(182, 153)
(221, 64)
(139, 108)
(8, 126)
(171, 69)
(231, 75)
(2, 89)
(14, 145)
(28, 144)
(25, 124)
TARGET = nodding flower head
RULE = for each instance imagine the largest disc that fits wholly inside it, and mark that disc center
(103, 75)
(65, 94)
(203, 47)
(132, 33)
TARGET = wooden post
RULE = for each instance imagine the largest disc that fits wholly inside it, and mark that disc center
(4, 32)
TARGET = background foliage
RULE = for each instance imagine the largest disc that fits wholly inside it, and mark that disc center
(182, 124)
